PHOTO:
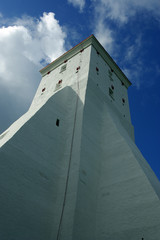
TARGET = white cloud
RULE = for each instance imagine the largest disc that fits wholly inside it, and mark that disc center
(24, 45)
(78, 3)
(122, 10)
(104, 36)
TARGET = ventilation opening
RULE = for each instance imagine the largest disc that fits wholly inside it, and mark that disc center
(43, 89)
(111, 93)
(123, 100)
(60, 81)
(63, 68)
(112, 87)
(57, 122)
(48, 72)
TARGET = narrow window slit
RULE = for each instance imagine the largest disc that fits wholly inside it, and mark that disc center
(57, 122)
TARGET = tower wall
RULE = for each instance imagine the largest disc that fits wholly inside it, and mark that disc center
(118, 195)
(69, 166)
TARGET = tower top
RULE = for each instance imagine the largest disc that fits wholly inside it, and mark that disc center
(91, 40)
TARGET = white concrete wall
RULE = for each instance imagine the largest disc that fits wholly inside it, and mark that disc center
(77, 80)
(40, 161)
(84, 179)
(118, 194)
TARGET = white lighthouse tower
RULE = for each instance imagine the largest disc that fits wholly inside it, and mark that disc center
(69, 167)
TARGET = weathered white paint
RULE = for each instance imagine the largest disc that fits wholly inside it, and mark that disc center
(84, 179)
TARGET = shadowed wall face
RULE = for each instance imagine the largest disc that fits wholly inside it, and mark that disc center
(34, 165)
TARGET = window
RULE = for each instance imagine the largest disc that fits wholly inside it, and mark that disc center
(57, 122)
(43, 89)
(58, 85)
(110, 75)
(60, 81)
(111, 93)
(63, 68)
(78, 68)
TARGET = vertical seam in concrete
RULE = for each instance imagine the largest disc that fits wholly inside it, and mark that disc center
(70, 158)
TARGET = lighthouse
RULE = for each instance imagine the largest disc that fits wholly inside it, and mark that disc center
(70, 169)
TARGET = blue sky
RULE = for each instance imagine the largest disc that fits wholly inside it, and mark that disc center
(33, 33)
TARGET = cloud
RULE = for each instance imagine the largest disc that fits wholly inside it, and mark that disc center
(24, 46)
(78, 3)
(121, 10)
(104, 36)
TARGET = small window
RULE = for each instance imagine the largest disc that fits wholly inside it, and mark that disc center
(48, 72)
(58, 85)
(63, 68)
(111, 94)
(81, 50)
(97, 53)
(60, 81)
(78, 68)
(57, 122)
(112, 87)
(123, 101)
(65, 61)
(97, 69)
(43, 89)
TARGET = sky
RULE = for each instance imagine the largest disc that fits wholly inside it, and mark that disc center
(34, 33)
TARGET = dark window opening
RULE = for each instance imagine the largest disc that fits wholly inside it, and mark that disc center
(111, 70)
(112, 87)
(65, 61)
(97, 53)
(122, 83)
(81, 50)
(60, 81)
(49, 72)
(43, 89)
(123, 100)
(111, 93)
(78, 68)
(57, 122)
(97, 69)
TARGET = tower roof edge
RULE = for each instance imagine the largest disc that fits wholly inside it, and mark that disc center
(91, 40)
